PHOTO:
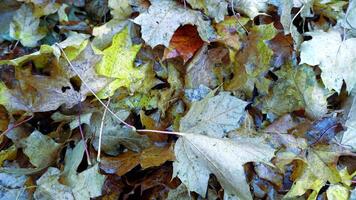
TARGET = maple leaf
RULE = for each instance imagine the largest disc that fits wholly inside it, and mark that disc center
(118, 63)
(197, 156)
(251, 8)
(214, 116)
(185, 42)
(164, 17)
(349, 136)
(335, 57)
(24, 27)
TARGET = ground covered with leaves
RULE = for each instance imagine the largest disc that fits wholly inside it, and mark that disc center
(177, 99)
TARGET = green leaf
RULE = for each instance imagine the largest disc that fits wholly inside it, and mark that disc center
(336, 58)
(25, 27)
(297, 88)
(213, 8)
(162, 19)
(197, 156)
(117, 63)
(40, 149)
(214, 116)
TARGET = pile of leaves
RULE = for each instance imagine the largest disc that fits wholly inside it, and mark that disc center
(178, 99)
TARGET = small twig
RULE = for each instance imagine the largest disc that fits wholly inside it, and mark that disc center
(101, 131)
(82, 134)
(88, 87)
(163, 132)
(16, 125)
(238, 21)
(295, 16)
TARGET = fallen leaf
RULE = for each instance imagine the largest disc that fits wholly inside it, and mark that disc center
(197, 156)
(253, 62)
(297, 88)
(114, 135)
(349, 136)
(48, 186)
(40, 149)
(200, 70)
(335, 57)
(12, 186)
(337, 192)
(25, 27)
(125, 162)
(117, 63)
(214, 116)
(213, 8)
(8, 154)
(185, 42)
(180, 193)
(159, 23)
(251, 8)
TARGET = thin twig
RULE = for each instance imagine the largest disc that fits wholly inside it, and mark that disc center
(16, 125)
(238, 21)
(101, 131)
(88, 87)
(162, 132)
(82, 134)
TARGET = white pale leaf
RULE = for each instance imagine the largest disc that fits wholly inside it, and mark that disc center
(336, 58)
(197, 156)
(214, 116)
(162, 19)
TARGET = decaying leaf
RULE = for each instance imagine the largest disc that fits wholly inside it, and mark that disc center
(164, 17)
(297, 88)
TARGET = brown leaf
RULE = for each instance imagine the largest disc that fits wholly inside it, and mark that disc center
(125, 162)
(282, 46)
(156, 156)
(121, 164)
(185, 42)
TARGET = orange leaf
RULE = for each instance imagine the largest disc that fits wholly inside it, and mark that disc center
(185, 42)
(156, 156)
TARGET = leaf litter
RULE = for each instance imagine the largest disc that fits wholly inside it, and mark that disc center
(177, 99)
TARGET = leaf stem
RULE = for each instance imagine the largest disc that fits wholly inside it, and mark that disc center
(101, 130)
